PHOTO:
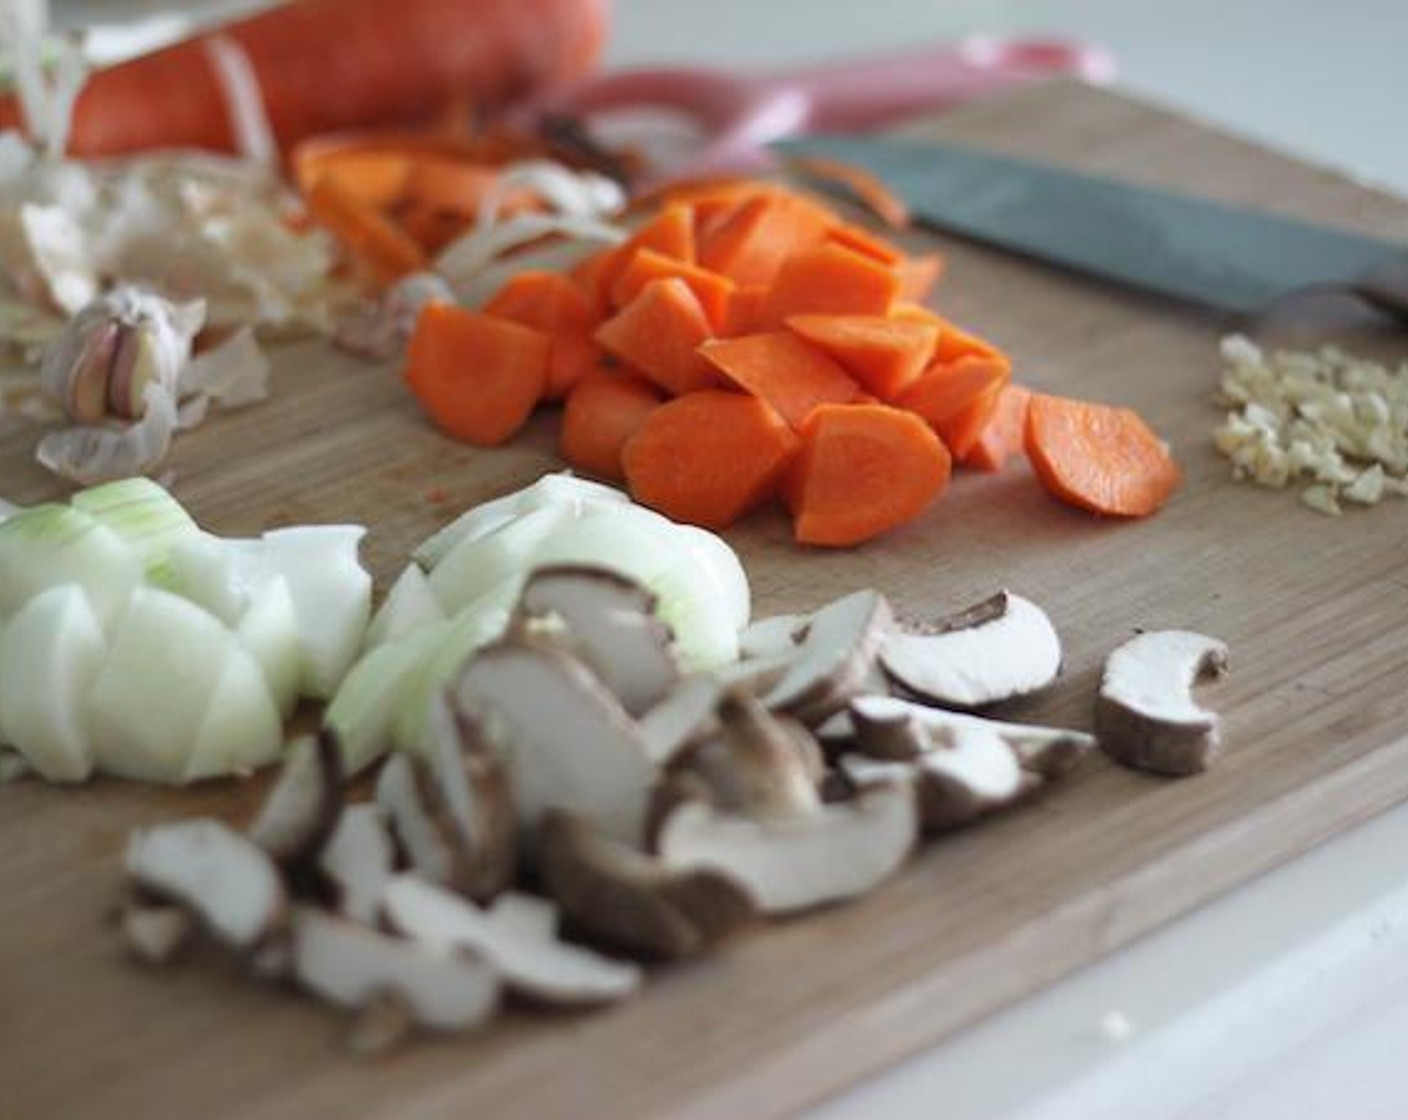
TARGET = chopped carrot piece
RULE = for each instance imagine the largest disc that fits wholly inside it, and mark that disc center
(460, 186)
(708, 457)
(919, 274)
(1004, 433)
(958, 398)
(659, 333)
(750, 244)
(478, 377)
(1098, 457)
(602, 412)
(372, 238)
(431, 229)
(885, 355)
(377, 179)
(862, 241)
(867, 187)
(646, 265)
(745, 310)
(830, 280)
(863, 470)
(793, 376)
(593, 274)
(670, 233)
(553, 304)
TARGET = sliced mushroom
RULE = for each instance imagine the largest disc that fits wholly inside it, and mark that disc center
(564, 739)
(358, 860)
(419, 821)
(528, 914)
(998, 650)
(834, 658)
(221, 876)
(621, 897)
(887, 727)
(352, 966)
(684, 717)
(837, 852)
(776, 775)
(301, 810)
(541, 968)
(473, 787)
(768, 637)
(1146, 716)
(611, 627)
(963, 772)
(156, 933)
(759, 675)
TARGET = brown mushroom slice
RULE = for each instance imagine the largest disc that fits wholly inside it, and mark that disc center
(769, 637)
(623, 898)
(962, 774)
(776, 773)
(156, 933)
(352, 966)
(406, 791)
(1146, 716)
(887, 727)
(1009, 650)
(528, 914)
(357, 861)
(564, 739)
(541, 968)
(301, 810)
(834, 658)
(472, 787)
(759, 675)
(224, 878)
(682, 718)
(840, 851)
(611, 627)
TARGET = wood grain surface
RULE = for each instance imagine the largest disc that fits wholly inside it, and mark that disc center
(1315, 611)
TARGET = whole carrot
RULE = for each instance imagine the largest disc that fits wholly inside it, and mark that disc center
(324, 65)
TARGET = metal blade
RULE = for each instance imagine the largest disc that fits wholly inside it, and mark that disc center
(1209, 253)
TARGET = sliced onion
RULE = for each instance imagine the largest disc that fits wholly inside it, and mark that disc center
(145, 515)
(409, 605)
(49, 545)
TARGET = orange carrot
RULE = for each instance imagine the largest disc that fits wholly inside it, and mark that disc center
(750, 244)
(867, 188)
(884, 355)
(745, 310)
(376, 178)
(863, 470)
(670, 233)
(1004, 433)
(958, 398)
(373, 239)
(593, 275)
(1098, 457)
(551, 303)
(602, 412)
(830, 280)
(326, 65)
(478, 377)
(460, 186)
(646, 265)
(708, 457)
(793, 376)
(430, 229)
(855, 237)
(658, 333)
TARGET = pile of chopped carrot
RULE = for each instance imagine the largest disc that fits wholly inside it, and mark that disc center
(747, 343)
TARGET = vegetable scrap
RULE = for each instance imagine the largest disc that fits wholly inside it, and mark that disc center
(744, 343)
(1329, 419)
(578, 765)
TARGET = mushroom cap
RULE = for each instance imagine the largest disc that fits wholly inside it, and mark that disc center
(834, 657)
(301, 810)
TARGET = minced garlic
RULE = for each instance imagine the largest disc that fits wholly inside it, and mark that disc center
(1329, 419)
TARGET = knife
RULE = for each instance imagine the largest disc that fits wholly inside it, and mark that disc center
(1193, 249)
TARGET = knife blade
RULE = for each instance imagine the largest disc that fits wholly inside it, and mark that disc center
(1193, 249)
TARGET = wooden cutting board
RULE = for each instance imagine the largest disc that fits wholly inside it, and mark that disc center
(1315, 610)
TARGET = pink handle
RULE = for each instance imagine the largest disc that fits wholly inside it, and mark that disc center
(854, 96)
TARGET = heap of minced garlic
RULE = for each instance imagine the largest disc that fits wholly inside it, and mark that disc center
(1327, 418)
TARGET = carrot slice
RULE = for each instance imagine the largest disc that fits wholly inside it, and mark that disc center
(793, 376)
(750, 244)
(478, 377)
(958, 398)
(646, 265)
(553, 304)
(659, 333)
(459, 186)
(431, 229)
(1004, 433)
(594, 273)
(867, 187)
(1098, 457)
(866, 243)
(670, 233)
(708, 457)
(603, 411)
(863, 470)
(376, 178)
(884, 355)
(919, 274)
(745, 310)
(370, 237)
(830, 280)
